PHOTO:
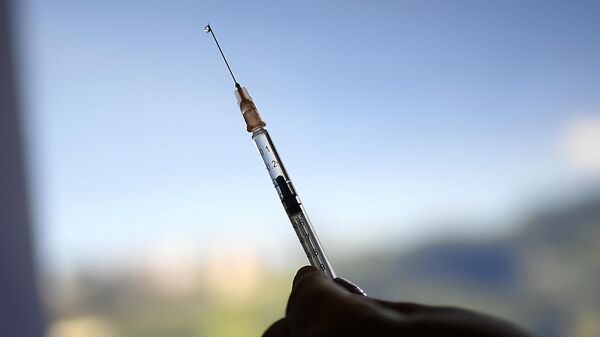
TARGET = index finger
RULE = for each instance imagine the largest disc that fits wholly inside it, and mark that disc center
(306, 271)
(318, 306)
(307, 277)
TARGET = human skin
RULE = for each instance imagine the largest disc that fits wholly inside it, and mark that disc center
(319, 307)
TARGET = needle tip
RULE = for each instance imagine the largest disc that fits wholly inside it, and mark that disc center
(208, 29)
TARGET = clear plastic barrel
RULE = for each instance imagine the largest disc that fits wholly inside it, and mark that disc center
(291, 202)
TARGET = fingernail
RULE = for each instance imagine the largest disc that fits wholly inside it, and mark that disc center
(351, 287)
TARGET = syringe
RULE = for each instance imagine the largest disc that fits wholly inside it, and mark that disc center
(283, 185)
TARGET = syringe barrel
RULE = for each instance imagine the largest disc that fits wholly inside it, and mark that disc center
(291, 202)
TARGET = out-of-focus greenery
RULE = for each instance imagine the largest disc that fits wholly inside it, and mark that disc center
(120, 306)
(544, 276)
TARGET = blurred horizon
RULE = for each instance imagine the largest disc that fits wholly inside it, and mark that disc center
(542, 276)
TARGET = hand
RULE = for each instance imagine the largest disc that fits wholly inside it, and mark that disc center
(319, 307)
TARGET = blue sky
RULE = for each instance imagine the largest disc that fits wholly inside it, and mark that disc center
(392, 118)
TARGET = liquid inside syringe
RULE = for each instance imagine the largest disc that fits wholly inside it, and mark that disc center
(279, 176)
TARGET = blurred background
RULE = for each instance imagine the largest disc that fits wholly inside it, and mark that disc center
(448, 152)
